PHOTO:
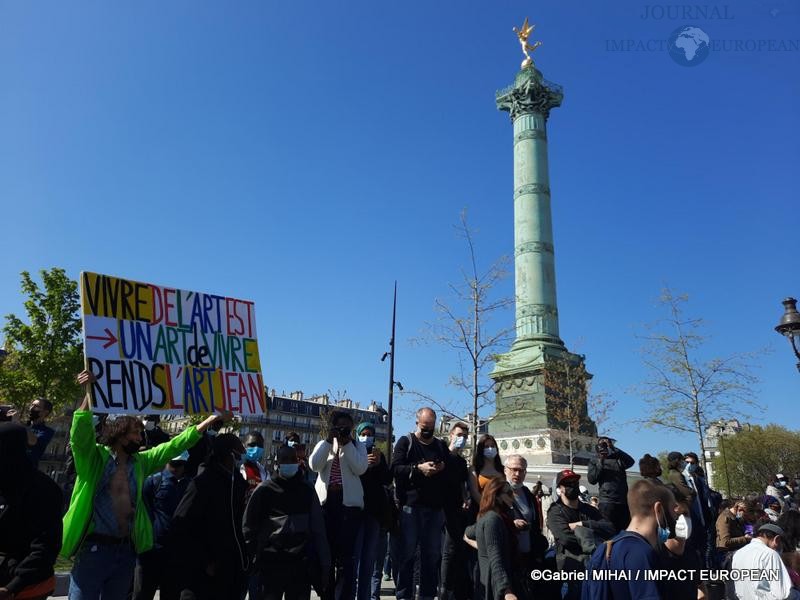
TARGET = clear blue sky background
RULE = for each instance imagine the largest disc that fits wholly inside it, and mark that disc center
(307, 154)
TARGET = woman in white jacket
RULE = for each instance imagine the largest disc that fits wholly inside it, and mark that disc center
(340, 462)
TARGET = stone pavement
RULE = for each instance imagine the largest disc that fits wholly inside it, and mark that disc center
(62, 587)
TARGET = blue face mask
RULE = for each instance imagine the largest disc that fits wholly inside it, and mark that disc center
(691, 467)
(459, 442)
(288, 471)
(255, 454)
(663, 532)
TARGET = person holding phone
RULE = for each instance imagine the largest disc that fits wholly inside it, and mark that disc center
(375, 500)
(340, 462)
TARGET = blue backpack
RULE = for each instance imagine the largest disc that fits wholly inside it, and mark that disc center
(600, 561)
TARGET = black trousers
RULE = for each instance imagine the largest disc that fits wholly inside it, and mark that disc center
(284, 580)
(617, 513)
(153, 572)
(457, 560)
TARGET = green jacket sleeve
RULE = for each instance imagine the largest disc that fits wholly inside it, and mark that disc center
(82, 440)
(154, 459)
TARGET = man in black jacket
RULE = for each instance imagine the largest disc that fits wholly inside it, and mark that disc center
(285, 533)
(607, 470)
(564, 517)
(30, 520)
(206, 539)
(457, 558)
(419, 466)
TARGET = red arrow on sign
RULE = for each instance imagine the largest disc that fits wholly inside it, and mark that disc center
(110, 340)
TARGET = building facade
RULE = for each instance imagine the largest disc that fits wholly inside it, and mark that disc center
(714, 442)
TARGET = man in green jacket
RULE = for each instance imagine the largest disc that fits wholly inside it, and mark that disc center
(107, 523)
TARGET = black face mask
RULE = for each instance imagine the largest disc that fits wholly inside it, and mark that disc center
(34, 414)
(131, 447)
(426, 434)
(571, 493)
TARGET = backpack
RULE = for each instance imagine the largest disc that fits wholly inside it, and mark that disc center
(601, 560)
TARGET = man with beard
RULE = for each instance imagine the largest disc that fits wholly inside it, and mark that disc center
(30, 520)
(567, 518)
(107, 523)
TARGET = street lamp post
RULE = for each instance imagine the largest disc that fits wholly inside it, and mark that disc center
(789, 325)
(392, 382)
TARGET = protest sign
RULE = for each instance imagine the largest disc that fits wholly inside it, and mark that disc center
(156, 349)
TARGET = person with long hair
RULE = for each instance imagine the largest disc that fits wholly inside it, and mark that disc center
(486, 465)
(495, 535)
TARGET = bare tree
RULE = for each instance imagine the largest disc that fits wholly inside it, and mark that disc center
(463, 324)
(565, 383)
(600, 406)
(686, 391)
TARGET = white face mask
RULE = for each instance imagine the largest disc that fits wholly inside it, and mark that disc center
(367, 440)
(683, 527)
(489, 453)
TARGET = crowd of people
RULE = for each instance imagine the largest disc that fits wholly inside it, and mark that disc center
(200, 516)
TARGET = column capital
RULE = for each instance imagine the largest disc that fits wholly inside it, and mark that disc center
(530, 93)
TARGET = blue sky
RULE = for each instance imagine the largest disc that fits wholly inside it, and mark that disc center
(306, 154)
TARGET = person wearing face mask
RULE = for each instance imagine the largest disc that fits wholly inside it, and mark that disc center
(730, 531)
(486, 465)
(676, 557)
(763, 553)
(107, 523)
(284, 532)
(375, 510)
(38, 431)
(206, 543)
(153, 435)
(608, 471)
(455, 573)
(780, 489)
(652, 508)
(676, 477)
(419, 465)
(161, 494)
(340, 462)
(252, 468)
(564, 516)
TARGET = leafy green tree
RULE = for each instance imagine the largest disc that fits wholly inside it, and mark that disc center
(748, 460)
(44, 354)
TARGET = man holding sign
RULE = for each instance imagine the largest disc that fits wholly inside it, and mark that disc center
(107, 524)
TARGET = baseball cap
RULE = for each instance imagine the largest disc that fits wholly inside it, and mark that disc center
(773, 528)
(566, 474)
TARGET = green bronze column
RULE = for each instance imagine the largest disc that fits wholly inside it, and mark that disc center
(529, 102)
(538, 377)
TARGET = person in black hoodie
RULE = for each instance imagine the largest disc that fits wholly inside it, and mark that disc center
(566, 518)
(284, 532)
(607, 470)
(373, 481)
(30, 520)
(206, 540)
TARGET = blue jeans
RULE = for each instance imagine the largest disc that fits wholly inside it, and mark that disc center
(381, 557)
(366, 550)
(102, 571)
(419, 526)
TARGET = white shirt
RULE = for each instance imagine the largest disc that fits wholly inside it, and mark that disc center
(757, 555)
